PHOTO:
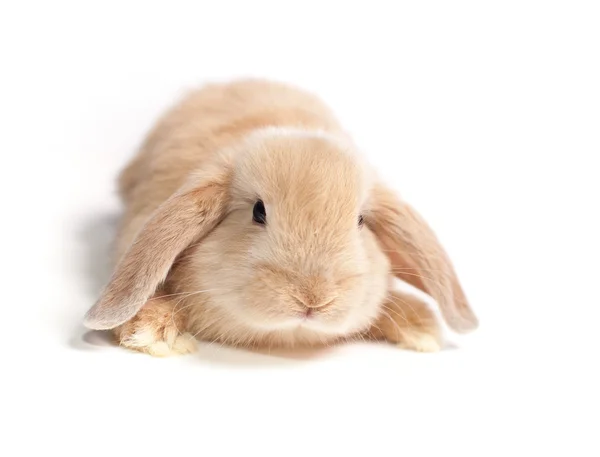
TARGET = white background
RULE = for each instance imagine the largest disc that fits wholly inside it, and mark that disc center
(485, 115)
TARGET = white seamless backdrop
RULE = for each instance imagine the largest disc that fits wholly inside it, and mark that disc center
(485, 115)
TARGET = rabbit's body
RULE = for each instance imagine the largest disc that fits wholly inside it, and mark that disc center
(200, 254)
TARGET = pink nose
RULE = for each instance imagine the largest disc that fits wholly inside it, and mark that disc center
(312, 302)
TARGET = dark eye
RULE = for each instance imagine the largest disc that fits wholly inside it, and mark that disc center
(259, 215)
(361, 221)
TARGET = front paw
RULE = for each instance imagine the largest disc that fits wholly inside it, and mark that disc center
(158, 336)
(148, 341)
(420, 342)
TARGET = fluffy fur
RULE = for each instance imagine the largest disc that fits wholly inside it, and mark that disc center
(192, 263)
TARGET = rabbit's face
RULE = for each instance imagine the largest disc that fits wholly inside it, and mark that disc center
(293, 252)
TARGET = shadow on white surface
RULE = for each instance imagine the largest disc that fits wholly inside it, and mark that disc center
(97, 234)
(92, 340)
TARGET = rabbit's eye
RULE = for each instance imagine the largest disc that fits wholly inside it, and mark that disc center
(361, 221)
(259, 214)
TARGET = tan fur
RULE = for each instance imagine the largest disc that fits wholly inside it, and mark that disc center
(407, 321)
(190, 259)
(158, 329)
(418, 258)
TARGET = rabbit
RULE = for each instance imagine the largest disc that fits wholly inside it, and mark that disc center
(252, 220)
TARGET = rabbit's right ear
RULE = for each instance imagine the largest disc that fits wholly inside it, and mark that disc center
(186, 217)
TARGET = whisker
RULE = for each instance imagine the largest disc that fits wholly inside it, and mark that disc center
(402, 316)
(395, 325)
(407, 304)
(175, 310)
(433, 270)
(413, 253)
(439, 288)
(420, 276)
(182, 293)
(377, 327)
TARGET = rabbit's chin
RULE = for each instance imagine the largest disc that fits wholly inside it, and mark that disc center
(295, 325)
(315, 327)
(293, 333)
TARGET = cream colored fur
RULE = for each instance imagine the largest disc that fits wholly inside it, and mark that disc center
(190, 261)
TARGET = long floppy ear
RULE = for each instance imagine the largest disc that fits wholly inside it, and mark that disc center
(417, 256)
(187, 216)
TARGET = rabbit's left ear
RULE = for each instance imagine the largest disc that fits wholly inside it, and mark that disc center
(187, 216)
(417, 257)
